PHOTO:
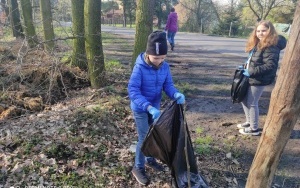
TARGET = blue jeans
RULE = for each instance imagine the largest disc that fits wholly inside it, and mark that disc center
(143, 120)
(171, 36)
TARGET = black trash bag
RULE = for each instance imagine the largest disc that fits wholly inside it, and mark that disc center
(239, 87)
(166, 141)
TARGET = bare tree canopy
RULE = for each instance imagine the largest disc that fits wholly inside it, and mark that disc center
(262, 8)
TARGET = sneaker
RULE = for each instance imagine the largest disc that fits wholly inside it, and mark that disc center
(249, 131)
(154, 165)
(243, 125)
(140, 175)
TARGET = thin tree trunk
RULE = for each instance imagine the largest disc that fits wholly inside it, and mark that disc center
(15, 19)
(28, 22)
(93, 43)
(283, 113)
(47, 24)
(78, 56)
(159, 15)
(125, 4)
(144, 26)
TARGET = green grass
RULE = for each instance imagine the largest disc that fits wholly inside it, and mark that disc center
(203, 145)
(203, 149)
(185, 88)
(121, 25)
(112, 65)
(7, 35)
(59, 151)
(30, 144)
(207, 140)
(108, 38)
(199, 130)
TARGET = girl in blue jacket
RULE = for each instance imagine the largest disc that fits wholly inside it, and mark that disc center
(150, 76)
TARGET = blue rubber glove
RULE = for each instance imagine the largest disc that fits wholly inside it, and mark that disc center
(154, 112)
(179, 97)
(246, 73)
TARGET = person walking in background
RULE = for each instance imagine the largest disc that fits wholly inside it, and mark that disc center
(265, 45)
(150, 76)
(172, 27)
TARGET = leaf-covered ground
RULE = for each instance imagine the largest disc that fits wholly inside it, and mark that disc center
(57, 131)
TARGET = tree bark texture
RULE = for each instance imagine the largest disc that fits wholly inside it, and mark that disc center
(125, 2)
(28, 22)
(144, 26)
(15, 19)
(93, 43)
(46, 14)
(283, 113)
(78, 54)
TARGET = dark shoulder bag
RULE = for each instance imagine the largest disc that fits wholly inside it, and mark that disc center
(240, 83)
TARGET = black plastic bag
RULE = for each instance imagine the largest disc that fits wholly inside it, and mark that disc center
(239, 87)
(169, 141)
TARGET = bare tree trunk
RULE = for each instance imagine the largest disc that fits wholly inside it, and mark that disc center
(78, 56)
(159, 14)
(93, 43)
(125, 4)
(28, 22)
(15, 19)
(283, 113)
(47, 24)
(144, 26)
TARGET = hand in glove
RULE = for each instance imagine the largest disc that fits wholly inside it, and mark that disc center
(179, 97)
(154, 112)
(246, 73)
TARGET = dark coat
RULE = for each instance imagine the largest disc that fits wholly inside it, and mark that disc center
(264, 63)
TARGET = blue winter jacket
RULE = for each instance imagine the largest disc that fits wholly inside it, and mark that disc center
(146, 85)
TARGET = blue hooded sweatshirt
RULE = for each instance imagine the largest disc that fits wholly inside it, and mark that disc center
(147, 83)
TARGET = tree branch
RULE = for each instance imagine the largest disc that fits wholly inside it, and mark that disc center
(256, 14)
(57, 39)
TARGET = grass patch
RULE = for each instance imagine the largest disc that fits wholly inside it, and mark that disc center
(199, 130)
(112, 65)
(7, 35)
(185, 87)
(30, 144)
(204, 140)
(108, 38)
(59, 151)
(203, 145)
(72, 179)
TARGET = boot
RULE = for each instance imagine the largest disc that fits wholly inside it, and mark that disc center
(172, 46)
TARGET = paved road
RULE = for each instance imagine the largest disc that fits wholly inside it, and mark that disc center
(232, 46)
(223, 45)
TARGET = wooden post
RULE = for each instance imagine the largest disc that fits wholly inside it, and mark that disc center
(283, 113)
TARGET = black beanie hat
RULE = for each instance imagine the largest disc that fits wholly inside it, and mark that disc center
(157, 43)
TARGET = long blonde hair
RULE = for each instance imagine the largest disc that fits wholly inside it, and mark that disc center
(270, 40)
